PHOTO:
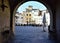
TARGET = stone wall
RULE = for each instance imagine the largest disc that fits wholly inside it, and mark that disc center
(58, 20)
(4, 17)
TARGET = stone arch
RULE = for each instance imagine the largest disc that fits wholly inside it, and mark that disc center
(41, 1)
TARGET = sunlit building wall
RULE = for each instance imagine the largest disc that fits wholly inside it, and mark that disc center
(28, 17)
(19, 18)
(33, 16)
(37, 16)
(47, 15)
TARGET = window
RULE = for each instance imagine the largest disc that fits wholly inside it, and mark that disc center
(21, 17)
(40, 13)
(26, 18)
(29, 14)
(29, 19)
(16, 17)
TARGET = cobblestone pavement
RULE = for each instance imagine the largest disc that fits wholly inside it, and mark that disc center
(31, 34)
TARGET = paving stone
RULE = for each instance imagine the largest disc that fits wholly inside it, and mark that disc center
(30, 34)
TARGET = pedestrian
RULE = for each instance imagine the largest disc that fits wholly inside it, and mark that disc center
(44, 22)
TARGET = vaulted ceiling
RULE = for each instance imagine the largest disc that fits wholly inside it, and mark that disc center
(50, 3)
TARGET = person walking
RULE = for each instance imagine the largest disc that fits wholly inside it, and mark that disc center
(44, 22)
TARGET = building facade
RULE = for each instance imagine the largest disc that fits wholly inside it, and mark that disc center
(32, 16)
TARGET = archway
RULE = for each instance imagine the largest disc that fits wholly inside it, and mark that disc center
(37, 12)
(51, 17)
(46, 5)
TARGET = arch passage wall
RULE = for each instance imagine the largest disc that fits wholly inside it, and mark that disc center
(58, 20)
(4, 17)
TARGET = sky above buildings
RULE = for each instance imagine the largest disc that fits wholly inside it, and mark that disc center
(35, 4)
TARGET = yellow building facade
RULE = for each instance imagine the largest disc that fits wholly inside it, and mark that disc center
(28, 17)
